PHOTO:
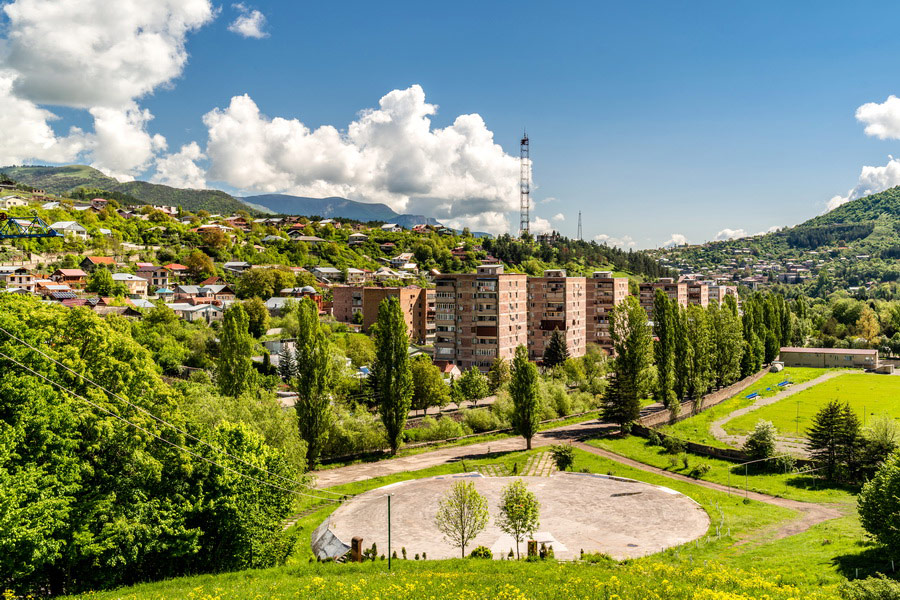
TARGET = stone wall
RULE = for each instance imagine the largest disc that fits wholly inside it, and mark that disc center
(690, 408)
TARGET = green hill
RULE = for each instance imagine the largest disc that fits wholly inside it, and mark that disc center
(68, 179)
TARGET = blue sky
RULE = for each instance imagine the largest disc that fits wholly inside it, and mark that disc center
(653, 119)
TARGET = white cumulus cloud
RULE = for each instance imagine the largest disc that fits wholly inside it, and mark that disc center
(120, 145)
(180, 169)
(249, 23)
(559, 217)
(88, 53)
(626, 241)
(882, 120)
(677, 239)
(540, 225)
(26, 133)
(389, 154)
(871, 181)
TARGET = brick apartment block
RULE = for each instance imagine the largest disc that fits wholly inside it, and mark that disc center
(417, 304)
(480, 316)
(603, 293)
(674, 290)
(556, 303)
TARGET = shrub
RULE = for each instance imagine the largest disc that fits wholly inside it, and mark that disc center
(785, 464)
(673, 445)
(870, 588)
(653, 439)
(699, 471)
(481, 552)
(480, 419)
(761, 441)
(431, 430)
(596, 558)
(685, 460)
(563, 456)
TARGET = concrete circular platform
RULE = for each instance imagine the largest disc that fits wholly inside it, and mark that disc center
(596, 513)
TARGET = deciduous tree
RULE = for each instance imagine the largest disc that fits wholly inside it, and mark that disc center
(429, 388)
(462, 515)
(519, 512)
(312, 380)
(633, 364)
(234, 370)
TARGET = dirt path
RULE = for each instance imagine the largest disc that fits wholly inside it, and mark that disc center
(787, 444)
(811, 513)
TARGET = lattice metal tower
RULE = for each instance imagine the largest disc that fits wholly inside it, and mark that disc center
(579, 227)
(524, 186)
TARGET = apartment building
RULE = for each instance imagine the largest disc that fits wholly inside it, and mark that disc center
(417, 304)
(603, 292)
(556, 303)
(698, 293)
(674, 290)
(718, 293)
(480, 316)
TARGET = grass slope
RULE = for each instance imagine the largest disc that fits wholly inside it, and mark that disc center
(868, 395)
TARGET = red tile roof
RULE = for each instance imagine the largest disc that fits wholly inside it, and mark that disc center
(101, 260)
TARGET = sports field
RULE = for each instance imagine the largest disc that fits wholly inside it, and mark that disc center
(869, 395)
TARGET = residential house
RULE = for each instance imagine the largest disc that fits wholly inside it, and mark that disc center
(217, 294)
(89, 263)
(158, 277)
(137, 286)
(197, 312)
(236, 267)
(391, 227)
(357, 238)
(176, 271)
(298, 236)
(74, 278)
(7, 202)
(356, 276)
(327, 273)
(17, 278)
(70, 229)
(401, 259)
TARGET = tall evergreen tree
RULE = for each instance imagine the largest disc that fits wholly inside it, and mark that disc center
(234, 370)
(833, 440)
(633, 363)
(664, 327)
(390, 377)
(312, 380)
(557, 351)
(523, 390)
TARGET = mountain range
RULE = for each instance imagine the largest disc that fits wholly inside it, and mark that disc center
(70, 179)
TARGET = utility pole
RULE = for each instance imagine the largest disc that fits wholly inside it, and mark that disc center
(524, 185)
(389, 531)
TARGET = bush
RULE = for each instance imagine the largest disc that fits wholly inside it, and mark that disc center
(685, 460)
(353, 431)
(597, 558)
(673, 445)
(761, 441)
(785, 464)
(653, 439)
(699, 471)
(481, 419)
(870, 588)
(432, 430)
(481, 552)
(563, 456)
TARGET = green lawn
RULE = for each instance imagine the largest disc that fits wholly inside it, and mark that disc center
(696, 428)
(868, 394)
(792, 486)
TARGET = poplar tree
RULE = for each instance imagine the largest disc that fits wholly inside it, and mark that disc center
(312, 380)
(664, 315)
(523, 390)
(499, 374)
(390, 377)
(633, 364)
(234, 369)
(729, 342)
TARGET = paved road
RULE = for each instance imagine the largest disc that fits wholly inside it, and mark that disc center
(785, 443)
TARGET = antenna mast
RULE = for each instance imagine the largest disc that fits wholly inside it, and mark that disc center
(524, 185)
(579, 227)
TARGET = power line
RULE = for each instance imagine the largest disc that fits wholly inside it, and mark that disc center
(163, 421)
(161, 439)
